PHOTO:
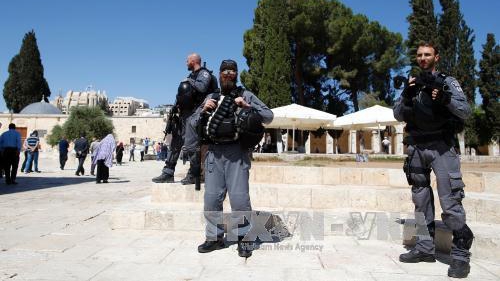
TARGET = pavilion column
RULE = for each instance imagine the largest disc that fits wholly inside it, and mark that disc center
(461, 142)
(375, 141)
(284, 139)
(279, 141)
(352, 141)
(308, 144)
(329, 143)
(399, 139)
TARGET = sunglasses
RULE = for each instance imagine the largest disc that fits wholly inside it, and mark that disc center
(228, 72)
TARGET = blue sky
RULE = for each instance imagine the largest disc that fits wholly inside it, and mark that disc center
(139, 48)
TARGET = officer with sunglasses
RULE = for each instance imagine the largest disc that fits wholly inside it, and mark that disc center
(227, 161)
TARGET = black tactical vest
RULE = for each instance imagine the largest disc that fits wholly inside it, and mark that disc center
(432, 116)
(221, 124)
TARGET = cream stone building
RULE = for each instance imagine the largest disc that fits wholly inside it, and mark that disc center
(127, 106)
(42, 116)
(85, 98)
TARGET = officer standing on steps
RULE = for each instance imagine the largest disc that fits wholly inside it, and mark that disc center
(433, 116)
(190, 95)
(227, 161)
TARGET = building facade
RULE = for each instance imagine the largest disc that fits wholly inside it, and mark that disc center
(127, 106)
(84, 98)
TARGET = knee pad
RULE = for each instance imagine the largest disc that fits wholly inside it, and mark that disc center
(463, 237)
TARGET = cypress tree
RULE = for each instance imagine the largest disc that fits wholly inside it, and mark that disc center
(276, 76)
(448, 32)
(489, 75)
(465, 71)
(423, 27)
(253, 51)
(26, 83)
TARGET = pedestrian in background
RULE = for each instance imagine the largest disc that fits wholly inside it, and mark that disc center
(119, 153)
(93, 146)
(103, 158)
(63, 152)
(10, 144)
(81, 150)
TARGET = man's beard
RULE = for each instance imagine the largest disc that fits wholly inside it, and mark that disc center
(227, 85)
(190, 68)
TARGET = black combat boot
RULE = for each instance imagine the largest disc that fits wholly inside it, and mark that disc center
(188, 180)
(245, 248)
(462, 239)
(163, 178)
(209, 246)
(415, 256)
(458, 269)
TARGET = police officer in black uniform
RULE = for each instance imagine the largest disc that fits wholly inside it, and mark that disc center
(434, 113)
(191, 94)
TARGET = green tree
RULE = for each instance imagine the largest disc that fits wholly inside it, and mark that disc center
(308, 44)
(423, 27)
(333, 55)
(55, 135)
(363, 54)
(274, 85)
(89, 121)
(489, 75)
(26, 83)
(465, 71)
(448, 32)
(254, 51)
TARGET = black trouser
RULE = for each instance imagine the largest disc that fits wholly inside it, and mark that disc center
(142, 155)
(63, 157)
(119, 156)
(1, 163)
(172, 155)
(80, 168)
(102, 171)
(11, 162)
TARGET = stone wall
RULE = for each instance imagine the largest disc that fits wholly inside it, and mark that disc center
(151, 127)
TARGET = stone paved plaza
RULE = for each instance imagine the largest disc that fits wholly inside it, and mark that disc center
(56, 226)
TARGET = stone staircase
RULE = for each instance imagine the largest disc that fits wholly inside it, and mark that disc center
(360, 202)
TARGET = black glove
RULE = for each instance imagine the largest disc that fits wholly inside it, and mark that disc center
(408, 94)
(444, 97)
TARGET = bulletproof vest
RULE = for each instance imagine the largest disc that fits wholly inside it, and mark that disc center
(221, 124)
(433, 116)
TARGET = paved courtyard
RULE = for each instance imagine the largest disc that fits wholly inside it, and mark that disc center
(55, 226)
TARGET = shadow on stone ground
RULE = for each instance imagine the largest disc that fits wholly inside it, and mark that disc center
(36, 183)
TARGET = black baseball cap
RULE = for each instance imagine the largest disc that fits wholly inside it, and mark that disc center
(228, 65)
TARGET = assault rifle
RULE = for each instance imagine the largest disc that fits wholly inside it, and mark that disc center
(173, 121)
(425, 79)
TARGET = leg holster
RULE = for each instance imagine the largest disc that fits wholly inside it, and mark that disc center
(406, 169)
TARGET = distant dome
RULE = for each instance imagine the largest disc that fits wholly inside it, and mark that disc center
(40, 108)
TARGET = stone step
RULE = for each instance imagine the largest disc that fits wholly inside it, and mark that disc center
(474, 181)
(480, 207)
(305, 224)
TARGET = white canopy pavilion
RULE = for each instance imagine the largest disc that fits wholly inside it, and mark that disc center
(296, 116)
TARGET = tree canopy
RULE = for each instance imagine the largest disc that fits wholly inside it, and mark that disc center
(333, 54)
(26, 83)
(83, 120)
